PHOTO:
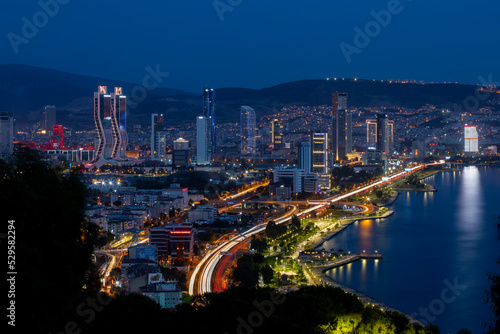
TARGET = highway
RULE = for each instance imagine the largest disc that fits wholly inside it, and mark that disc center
(201, 280)
(253, 188)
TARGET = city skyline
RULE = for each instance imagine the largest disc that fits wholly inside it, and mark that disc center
(231, 166)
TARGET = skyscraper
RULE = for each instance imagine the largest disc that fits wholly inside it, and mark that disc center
(49, 118)
(471, 140)
(247, 130)
(383, 133)
(110, 121)
(181, 152)
(319, 153)
(339, 101)
(119, 123)
(6, 133)
(380, 133)
(305, 156)
(276, 134)
(341, 127)
(158, 137)
(209, 112)
(203, 151)
(319, 158)
(102, 117)
(371, 133)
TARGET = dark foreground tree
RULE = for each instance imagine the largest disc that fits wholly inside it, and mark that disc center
(53, 245)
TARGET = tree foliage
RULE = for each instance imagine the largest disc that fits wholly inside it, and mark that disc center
(53, 244)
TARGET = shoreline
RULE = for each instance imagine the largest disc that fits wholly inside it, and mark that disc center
(318, 275)
(349, 221)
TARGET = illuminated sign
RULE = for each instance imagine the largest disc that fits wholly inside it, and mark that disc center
(180, 232)
(385, 178)
(103, 89)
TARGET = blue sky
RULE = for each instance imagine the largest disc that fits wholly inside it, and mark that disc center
(258, 43)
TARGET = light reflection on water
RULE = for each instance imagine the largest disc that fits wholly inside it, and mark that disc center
(431, 237)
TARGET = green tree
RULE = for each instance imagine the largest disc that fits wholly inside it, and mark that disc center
(267, 274)
(259, 244)
(296, 222)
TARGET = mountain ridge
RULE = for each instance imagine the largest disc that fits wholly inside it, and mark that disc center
(24, 90)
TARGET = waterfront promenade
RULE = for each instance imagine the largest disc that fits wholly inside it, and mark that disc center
(315, 274)
(327, 233)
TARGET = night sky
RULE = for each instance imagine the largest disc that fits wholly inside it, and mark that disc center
(256, 43)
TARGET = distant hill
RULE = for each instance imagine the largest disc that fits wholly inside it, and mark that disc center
(24, 90)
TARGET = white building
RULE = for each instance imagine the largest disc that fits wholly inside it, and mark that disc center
(205, 213)
(167, 294)
(175, 191)
(471, 140)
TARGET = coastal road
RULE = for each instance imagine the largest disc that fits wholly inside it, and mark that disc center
(203, 275)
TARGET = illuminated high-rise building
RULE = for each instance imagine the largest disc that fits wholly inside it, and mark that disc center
(180, 156)
(119, 122)
(102, 117)
(471, 139)
(209, 112)
(341, 142)
(380, 134)
(203, 151)
(339, 101)
(247, 130)
(371, 133)
(319, 158)
(276, 134)
(319, 153)
(305, 157)
(158, 137)
(110, 120)
(49, 118)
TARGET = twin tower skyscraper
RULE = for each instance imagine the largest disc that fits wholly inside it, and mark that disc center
(110, 116)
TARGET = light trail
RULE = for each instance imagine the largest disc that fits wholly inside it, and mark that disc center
(208, 264)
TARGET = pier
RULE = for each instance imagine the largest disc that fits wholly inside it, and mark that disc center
(316, 274)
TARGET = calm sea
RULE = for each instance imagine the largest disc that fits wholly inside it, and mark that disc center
(438, 248)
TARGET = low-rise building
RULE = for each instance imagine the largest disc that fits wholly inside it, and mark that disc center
(167, 294)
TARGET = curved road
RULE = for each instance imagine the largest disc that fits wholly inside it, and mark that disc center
(201, 280)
